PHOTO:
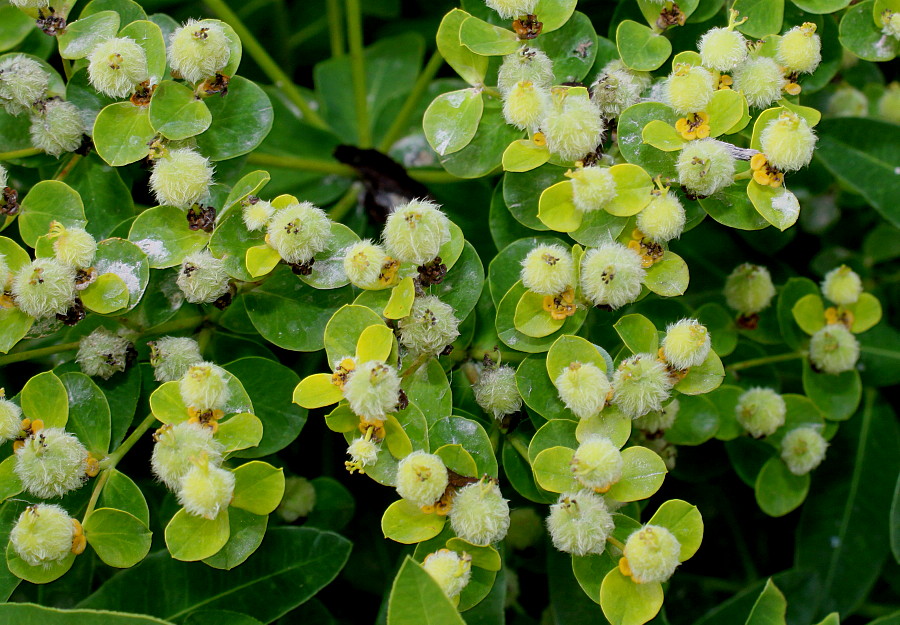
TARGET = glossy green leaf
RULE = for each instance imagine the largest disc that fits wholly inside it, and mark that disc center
(725, 110)
(486, 39)
(246, 533)
(696, 422)
(89, 416)
(778, 491)
(457, 459)
(763, 17)
(669, 276)
(633, 186)
(162, 233)
(684, 521)
(531, 319)
(641, 49)
(451, 120)
(49, 201)
(662, 136)
(44, 397)
(258, 487)
(770, 607)
(627, 603)
(122, 133)
(167, 405)
(240, 120)
(471, 435)
(569, 349)
(328, 268)
(402, 297)
(121, 493)
(866, 313)
(837, 396)
(860, 34)
(553, 471)
(106, 294)
(80, 36)
(344, 329)
(524, 155)
(776, 205)
(809, 313)
(32, 614)
(240, 432)
(643, 472)
(638, 333)
(190, 538)
(416, 598)
(704, 378)
(37, 574)
(470, 66)
(731, 207)
(610, 423)
(556, 208)
(120, 539)
(176, 113)
(405, 523)
(149, 36)
(793, 290)
(317, 391)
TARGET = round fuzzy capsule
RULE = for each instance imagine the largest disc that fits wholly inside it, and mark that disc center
(509, 9)
(257, 214)
(10, 419)
(525, 528)
(548, 270)
(889, 103)
(722, 49)
(22, 83)
(4, 179)
(198, 50)
(181, 178)
(573, 126)
(800, 49)
(203, 278)
(30, 4)
(788, 142)
(615, 90)
(761, 80)
(749, 289)
(364, 264)
(73, 246)
(206, 489)
(612, 275)
(640, 384)
(847, 101)
(299, 499)
(834, 349)
(5, 273)
(842, 286)
(890, 21)
(583, 388)
(116, 66)
(430, 327)
(525, 65)
(298, 232)
(102, 353)
(658, 420)
(372, 390)
(43, 534)
(414, 232)
(44, 288)
(497, 393)
(449, 569)
(686, 344)
(652, 554)
(56, 127)
(592, 188)
(480, 514)
(421, 478)
(363, 452)
(689, 88)
(172, 356)
(760, 411)
(662, 219)
(597, 463)
(50, 463)
(525, 104)
(204, 386)
(579, 523)
(176, 445)
(704, 167)
(803, 449)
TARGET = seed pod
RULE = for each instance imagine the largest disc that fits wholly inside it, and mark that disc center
(181, 178)
(372, 390)
(525, 528)
(525, 105)
(612, 275)
(686, 344)
(256, 215)
(803, 449)
(573, 126)
(722, 49)
(73, 246)
(449, 569)
(760, 411)
(176, 445)
(363, 451)
(597, 463)
(480, 514)
(203, 278)
(761, 79)
(496, 391)
(198, 50)
(788, 142)
(842, 286)
(640, 384)
(548, 270)
(430, 327)
(890, 21)
(421, 478)
(117, 66)
(749, 289)
(525, 65)
(662, 219)
(172, 356)
(51, 463)
(22, 83)
(800, 49)
(204, 387)
(615, 89)
(579, 523)
(44, 288)
(592, 188)
(689, 88)
(509, 9)
(704, 167)
(10, 419)
(102, 353)
(299, 499)
(414, 232)
(43, 534)
(658, 420)
(834, 349)
(364, 264)
(206, 489)
(30, 4)
(652, 554)
(847, 101)
(4, 175)
(889, 102)
(56, 127)
(583, 388)
(298, 232)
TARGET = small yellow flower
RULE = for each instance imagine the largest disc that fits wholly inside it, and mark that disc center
(792, 88)
(694, 126)
(764, 173)
(562, 305)
(725, 81)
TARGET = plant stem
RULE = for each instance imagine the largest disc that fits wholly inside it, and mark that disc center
(37, 353)
(266, 62)
(68, 167)
(67, 68)
(412, 100)
(8, 156)
(616, 542)
(358, 72)
(420, 360)
(305, 164)
(335, 30)
(307, 32)
(343, 205)
(764, 360)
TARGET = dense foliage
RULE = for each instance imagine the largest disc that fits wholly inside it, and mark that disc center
(527, 311)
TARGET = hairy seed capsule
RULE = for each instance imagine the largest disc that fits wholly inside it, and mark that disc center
(56, 127)
(4, 179)
(496, 391)
(257, 215)
(299, 499)
(662, 219)
(430, 327)
(10, 419)
(803, 449)
(102, 353)
(612, 275)
(372, 390)
(722, 49)
(573, 126)
(116, 66)
(658, 420)
(847, 101)
(525, 105)
(834, 349)
(73, 246)
(749, 289)
(788, 142)
(760, 411)
(689, 88)
(43, 534)
(705, 167)
(800, 49)
(480, 514)
(842, 286)
(421, 478)
(686, 344)
(761, 80)
(652, 554)
(509, 9)
(640, 384)
(615, 89)
(172, 356)
(548, 270)
(198, 50)
(202, 278)
(181, 178)
(364, 263)
(51, 463)
(363, 452)
(205, 387)
(583, 388)
(22, 83)
(597, 463)
(592, 188)
(206, 489)
(177, 445)
(30, 4)
(525, 65)
(43, 288)
(579, 523)
(299, 231)
(449, 569)
(414, 232)
(889, 103)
